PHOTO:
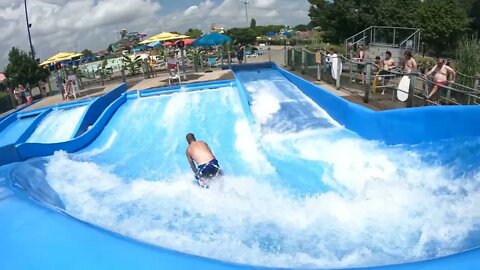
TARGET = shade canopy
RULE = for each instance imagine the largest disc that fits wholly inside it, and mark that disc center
(163, 37)
(139, 48)
(60, 57)
(154, 44)
(168, 44)
(212, 39)
(187, 41)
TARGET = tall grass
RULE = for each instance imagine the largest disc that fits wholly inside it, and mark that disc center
(468, 60)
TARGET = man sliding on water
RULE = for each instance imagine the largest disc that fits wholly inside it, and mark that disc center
(200, 153)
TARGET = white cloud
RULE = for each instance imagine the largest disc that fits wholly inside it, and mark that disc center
(59, 25)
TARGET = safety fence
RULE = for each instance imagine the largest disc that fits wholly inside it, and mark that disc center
(366, 80)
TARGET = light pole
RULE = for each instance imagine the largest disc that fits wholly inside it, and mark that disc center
(28, 30)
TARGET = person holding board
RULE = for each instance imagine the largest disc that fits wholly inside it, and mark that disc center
(199, 152)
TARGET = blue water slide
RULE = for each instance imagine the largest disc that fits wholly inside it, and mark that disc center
(17, 129)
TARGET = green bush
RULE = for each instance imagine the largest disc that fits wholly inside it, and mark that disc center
(468, 59)
(340, 49)
(425, 63)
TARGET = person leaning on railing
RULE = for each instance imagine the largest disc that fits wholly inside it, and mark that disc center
(440, 73)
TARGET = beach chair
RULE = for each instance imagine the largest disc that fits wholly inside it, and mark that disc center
(175, 75)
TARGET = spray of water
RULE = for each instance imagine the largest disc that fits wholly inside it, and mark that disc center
(57, 126)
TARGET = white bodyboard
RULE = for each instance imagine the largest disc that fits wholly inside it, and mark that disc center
(403, 87)
(336, 67)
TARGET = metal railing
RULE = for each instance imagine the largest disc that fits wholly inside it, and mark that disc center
(412, 42)
(364, 79)
(399, 37)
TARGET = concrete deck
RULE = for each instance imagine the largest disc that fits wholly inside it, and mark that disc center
(162, 79)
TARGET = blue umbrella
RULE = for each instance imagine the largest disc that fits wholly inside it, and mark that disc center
(211, 39)
(139, 48)
(154, 44)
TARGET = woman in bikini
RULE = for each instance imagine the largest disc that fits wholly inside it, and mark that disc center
(440, 76)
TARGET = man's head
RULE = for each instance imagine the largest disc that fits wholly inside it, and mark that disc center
(388, 54)
(332, 50)
(440, 61)
(190, 138)
(171, 54)
(408, 54)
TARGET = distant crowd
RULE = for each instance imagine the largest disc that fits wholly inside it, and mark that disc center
(23, 94)
(441, 74)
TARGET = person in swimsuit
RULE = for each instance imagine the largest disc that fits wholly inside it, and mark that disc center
(410, 63)
(361, 64)
(440, 74)
(199, 152)
(387, 65)
(172, 64)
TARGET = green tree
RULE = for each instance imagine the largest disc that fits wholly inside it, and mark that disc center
(22, 69)
(474, 14)
(442, 22)
(253, 24)
(87, 52)
(243, 35)
(194, 33)
(340, 19)
(397, 13)
(132, 64)
(263, 30)
(301, 27)
(468, 59)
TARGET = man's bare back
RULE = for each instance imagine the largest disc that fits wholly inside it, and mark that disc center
(200, 152)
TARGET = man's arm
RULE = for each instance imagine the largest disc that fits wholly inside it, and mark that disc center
(414, 64)
(192, 164)
(454, 74)
(431, 71)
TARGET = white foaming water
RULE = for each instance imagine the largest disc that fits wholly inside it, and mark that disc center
(269, 94)
(410, 212)
(57, 126)
(385, 205)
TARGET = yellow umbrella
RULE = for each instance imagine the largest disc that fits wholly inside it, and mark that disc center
(163, 37)
(60, 57)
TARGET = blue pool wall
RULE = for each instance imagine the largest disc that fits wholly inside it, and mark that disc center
(399, 126)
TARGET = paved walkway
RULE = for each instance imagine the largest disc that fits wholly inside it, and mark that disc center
(162, 79)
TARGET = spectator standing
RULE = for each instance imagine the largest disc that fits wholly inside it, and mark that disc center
(440, 73)
(410, 63)
(240, 53)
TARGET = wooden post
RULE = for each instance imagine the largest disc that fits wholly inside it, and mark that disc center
(303, 63)
(411, 91)
(368, 81)
(293, 58)
(49, 86)
(318, 60)
(229, 56)
(122, 71)
(339, 71)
